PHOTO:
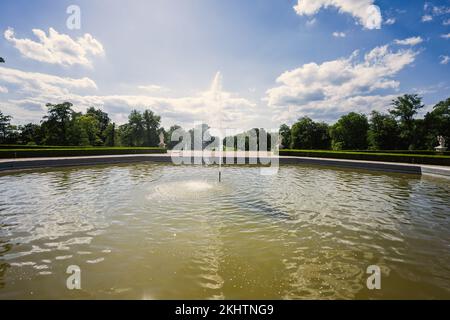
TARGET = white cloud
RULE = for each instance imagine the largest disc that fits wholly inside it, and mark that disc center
(432, 11)
(409, 41)
(438, 11)
(3, 89)
(390, 21)
(57, 48)
(338, 86)
(153, 88)
(26, 102)
(339, 34)
(446, 36)
(427, 18)
(367, 14)
(446, 22)
(445, 59)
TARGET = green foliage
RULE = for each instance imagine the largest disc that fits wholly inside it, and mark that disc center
(398, 130)
(31, 134)
(168, 137)
(285, 133)
(71, 152)
(405, 108)
(437, 123)
(5, 128)
(141, 129)
(370, 156)
(350, 132)
(384, 132)
(307, 134)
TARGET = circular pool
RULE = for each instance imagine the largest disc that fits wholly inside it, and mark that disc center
(159, 231)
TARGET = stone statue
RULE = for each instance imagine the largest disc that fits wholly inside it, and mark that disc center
(161, 140)
(441, 147)
(280, 145)
(441, 141)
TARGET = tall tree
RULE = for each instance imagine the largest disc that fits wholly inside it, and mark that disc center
(350, 132)
(56, 123)
(5, 127)
(102, 119)
(307, 134)
(285, 133)
(168, 137)
(132, 133)
(438, 123)
(151, 124)
(110, 134)
(405, 108)
(31, 134)
(384, 132)
(89, 130)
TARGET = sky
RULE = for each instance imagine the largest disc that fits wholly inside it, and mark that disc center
(233, 63)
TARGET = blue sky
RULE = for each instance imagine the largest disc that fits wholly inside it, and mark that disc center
(249, 63)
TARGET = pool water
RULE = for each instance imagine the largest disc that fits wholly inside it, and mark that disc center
(159, 231)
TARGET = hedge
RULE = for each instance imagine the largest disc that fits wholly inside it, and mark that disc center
(413, 152)
(74, 152)
(442, 160)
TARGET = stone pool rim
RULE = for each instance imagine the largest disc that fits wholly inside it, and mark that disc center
(25, 164)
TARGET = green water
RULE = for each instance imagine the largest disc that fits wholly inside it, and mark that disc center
(152, 231)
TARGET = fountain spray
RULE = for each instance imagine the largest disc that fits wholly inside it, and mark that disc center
(216, 93)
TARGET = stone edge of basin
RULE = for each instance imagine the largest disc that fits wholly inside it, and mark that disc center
(11, 165)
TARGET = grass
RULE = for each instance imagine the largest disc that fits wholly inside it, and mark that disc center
(433, 159)
(74, 151)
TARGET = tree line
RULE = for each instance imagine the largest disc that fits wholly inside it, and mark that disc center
(398, 129)
(62, 126)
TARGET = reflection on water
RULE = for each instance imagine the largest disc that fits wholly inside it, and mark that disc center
(152, 231)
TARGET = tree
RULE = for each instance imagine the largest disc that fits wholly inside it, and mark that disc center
(110, 135)
(102, 119)
(132, 133)
(384, 132)
(285, 133)
(5, 127)
(151, 124)
(89, 129)
(168, 137)
(350, 132)
(2, 60)
(31, 134)
(57, 123)
(307, 134)
(437, 123)
(405, 108)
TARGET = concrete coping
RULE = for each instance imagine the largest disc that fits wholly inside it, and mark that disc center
(10, 165)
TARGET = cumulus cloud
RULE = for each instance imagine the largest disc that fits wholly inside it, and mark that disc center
(335, 87)
(57, 48)
(445, 59)
(339, 34)
(446, 36)
(33, 90)
(409, 41)
(153, 88)
(366, 13)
